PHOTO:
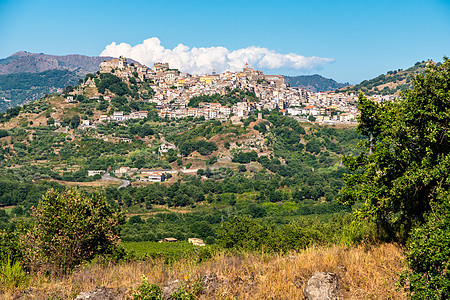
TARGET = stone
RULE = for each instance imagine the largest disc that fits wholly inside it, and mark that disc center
(322, 286)
(210, 283)
(100, 293)
(171, 287)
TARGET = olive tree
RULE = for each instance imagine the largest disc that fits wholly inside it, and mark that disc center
(70, 228)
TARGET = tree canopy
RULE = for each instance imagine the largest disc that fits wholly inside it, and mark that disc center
(406, 163)
(70, 228)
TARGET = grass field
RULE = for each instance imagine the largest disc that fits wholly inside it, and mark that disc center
(166, 249)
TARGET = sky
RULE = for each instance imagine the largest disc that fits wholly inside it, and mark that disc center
(348, 41)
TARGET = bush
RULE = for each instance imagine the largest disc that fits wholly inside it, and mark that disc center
(70, 228)
(147, 291)
(12, 274)
(428, 256)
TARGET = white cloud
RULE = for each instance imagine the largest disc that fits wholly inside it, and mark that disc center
(204, 60)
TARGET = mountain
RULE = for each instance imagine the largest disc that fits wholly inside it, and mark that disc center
(314, 83)
(393, 82)
(26, 77)
(25, 62)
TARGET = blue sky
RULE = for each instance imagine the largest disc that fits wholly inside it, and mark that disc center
(364, 38)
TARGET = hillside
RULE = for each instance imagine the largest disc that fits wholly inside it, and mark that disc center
(314, 83)
(245, 165)
(267, 172)
(391, 83)
(19, 88)
(26, 77)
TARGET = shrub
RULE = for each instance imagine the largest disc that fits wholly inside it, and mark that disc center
(147, 291)
(12, 274)
(69, 229)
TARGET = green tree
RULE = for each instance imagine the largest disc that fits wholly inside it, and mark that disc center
(74, 121)
(405, 164)
(428, 255)
(70, 228)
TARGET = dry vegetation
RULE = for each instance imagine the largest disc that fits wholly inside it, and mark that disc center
(365, 272)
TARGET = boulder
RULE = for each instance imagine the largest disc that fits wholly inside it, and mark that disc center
(210, 283)
(322, 286)
(100, 293)
(171, 287)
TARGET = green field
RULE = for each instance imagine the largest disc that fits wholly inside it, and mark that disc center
(156, 249)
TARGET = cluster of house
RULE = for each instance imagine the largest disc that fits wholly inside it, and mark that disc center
(173, 90)
(144, 174)
(119, 116)
(194, 241)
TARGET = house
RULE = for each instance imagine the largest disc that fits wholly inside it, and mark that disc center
(122, 170)
(169, 239)
(69, 99)
(103, 118)
(118, 116)
(156, 177)
(196, 241)
(95, 172)
(166, 147)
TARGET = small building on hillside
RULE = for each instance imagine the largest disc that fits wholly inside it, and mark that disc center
(95, 172)
(153, 176)
(169, 240)
(196, 241)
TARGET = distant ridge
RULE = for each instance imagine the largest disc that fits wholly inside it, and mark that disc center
(393, 82)
(314, 83)
(26, 77)
(25, 62)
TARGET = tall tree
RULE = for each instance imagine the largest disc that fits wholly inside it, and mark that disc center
(405, 162)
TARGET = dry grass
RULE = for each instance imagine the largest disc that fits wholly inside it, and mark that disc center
(364, 272)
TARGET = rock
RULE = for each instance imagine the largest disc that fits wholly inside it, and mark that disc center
(100, 293)
(322, 286)
(210, 283)
(171, 287)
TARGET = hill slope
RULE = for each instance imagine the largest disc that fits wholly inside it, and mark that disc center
(314, 83)
(26, 77)
(393, 82)
(25, 62)
(20, 88)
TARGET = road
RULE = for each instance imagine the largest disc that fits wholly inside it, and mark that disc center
(125, 183)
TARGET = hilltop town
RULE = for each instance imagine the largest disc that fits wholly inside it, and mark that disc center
(172, 92)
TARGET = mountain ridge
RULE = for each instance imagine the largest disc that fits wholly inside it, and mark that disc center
(27, 62)
(314, 83)
(393, 82)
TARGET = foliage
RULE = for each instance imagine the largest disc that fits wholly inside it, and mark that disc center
(228, 99)
(9, 246)
(407, 163)
(70, 228)
(12, 274)
(113, 83)
(147, 291)
(393, 82)
(314, 83)
(428, 254)
(23, 87)
(203, 147)
(244, 233)
(245, 157)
